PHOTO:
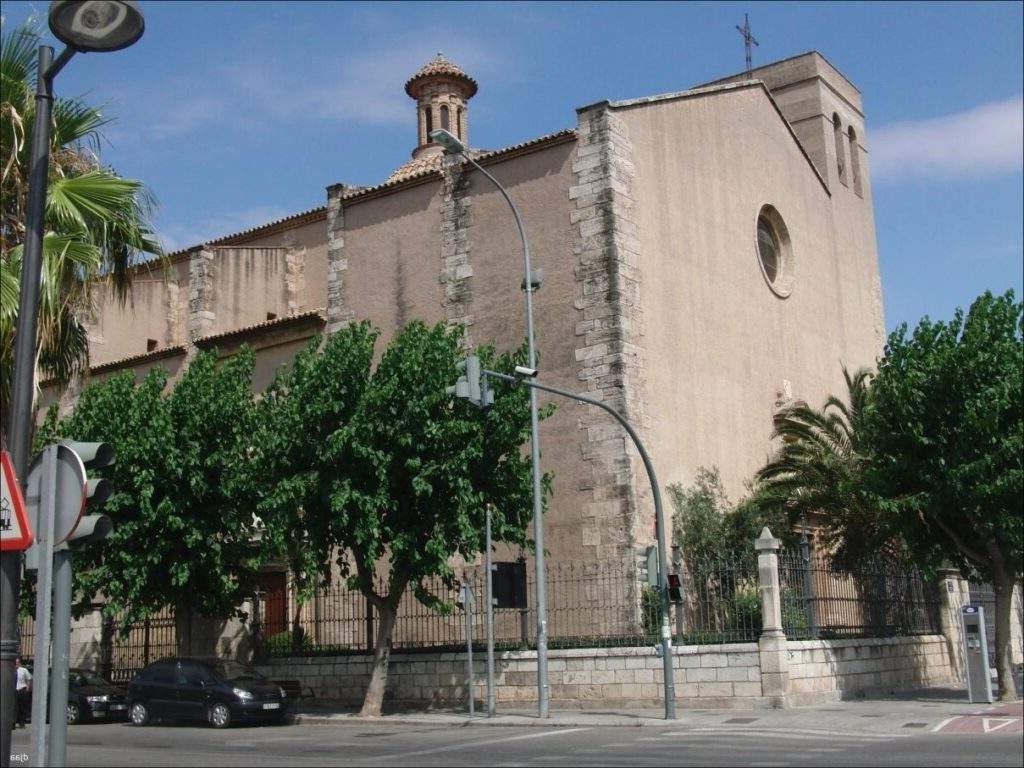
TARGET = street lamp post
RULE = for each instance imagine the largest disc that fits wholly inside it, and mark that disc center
(83, 26)
(453, 146)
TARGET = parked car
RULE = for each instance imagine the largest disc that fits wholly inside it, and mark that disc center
(90, 697)
(215, 690)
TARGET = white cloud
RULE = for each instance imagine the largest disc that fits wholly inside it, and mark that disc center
(364, 86)
(176, 236)
(982, 142)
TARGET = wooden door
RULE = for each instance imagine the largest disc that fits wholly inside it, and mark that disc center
(273, 585)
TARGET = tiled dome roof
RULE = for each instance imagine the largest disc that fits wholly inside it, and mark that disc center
(420, 165)
(440, 66)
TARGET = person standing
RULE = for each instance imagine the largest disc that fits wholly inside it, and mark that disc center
(23, 688)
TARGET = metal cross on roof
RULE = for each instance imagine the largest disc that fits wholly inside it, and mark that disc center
(747, 38)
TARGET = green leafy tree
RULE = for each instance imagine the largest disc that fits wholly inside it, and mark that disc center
(289, 461)
(414, 470)
(96, 224)
(180, 536)
(947, 431)
(707, 526)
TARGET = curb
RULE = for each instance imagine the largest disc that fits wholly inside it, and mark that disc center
(465, 722)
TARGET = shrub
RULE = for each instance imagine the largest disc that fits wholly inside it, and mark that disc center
(281, 644)
(650, 610)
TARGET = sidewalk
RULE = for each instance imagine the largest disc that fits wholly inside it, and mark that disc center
(905, 714)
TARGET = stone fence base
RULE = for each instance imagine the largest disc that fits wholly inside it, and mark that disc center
(707, 676)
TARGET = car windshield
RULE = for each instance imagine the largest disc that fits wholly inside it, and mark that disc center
(90, 678)
(234, 672)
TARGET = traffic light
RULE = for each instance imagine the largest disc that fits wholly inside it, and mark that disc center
(472, 384)
(92, 527)
(653, 574)
(675, 588)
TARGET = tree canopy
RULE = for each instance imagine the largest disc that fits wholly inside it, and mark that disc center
(926, 458)
(947, 432)
(180, 535)
(400, 474)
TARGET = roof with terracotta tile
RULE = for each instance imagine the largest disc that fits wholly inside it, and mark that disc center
(142, 357)
(421, 165)
(439, 66)
(315, 316)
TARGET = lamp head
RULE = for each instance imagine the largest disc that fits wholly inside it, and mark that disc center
(96, 25)
(447, 140)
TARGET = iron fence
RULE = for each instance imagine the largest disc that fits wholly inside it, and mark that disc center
(721, 601)
(148, 640)
(881, 598)
(589, 604)
(120, 657)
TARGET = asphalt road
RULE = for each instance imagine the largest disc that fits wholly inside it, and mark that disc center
(393, 745)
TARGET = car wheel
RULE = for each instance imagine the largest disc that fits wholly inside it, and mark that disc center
(138, 714)
(220, 716)
(74, 713)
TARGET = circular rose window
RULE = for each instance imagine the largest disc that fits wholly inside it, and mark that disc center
(774, 251)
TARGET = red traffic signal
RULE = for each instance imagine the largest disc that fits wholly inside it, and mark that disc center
(675, 588)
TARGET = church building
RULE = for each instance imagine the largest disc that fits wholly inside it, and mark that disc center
(708, 256)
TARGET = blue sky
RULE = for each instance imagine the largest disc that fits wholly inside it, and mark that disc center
(238, 113)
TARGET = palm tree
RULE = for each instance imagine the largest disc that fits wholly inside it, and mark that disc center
(819, 473)
(96, 224)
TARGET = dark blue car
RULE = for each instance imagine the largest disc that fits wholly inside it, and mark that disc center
(216, 691)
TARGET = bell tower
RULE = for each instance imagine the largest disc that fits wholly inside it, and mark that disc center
(441, 90)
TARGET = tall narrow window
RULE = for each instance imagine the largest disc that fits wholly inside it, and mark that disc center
(855, 161)
(837, 129)
(429, 122)
(445, 122)
(458, 123)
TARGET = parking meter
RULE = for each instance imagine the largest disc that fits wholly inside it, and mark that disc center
(979, 684)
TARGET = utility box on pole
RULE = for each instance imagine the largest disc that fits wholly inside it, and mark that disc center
(979, 681)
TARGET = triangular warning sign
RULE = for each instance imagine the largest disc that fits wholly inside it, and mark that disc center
(14, 529)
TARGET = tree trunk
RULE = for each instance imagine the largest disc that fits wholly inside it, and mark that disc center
(1003, 583)
(107, 646)
(298, 633)
(387, 612)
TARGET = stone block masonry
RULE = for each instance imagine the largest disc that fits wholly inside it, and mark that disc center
(609, 333)
(712, 676)
(339, 313)
(456, 270)
(200, 292)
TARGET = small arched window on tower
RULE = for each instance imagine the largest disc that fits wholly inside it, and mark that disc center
(428, 122)
(445, 120)
(855, 161)
(458, 123)
(837, 129)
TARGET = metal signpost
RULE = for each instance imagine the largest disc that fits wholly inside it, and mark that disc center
(46, 501)
(489, 602)
(467, 603)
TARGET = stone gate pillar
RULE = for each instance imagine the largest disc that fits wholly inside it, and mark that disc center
(773, 654)
(953, 595)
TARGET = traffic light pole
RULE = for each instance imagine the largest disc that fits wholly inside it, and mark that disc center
(666, 633)
(58, 753)
(44, 595)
